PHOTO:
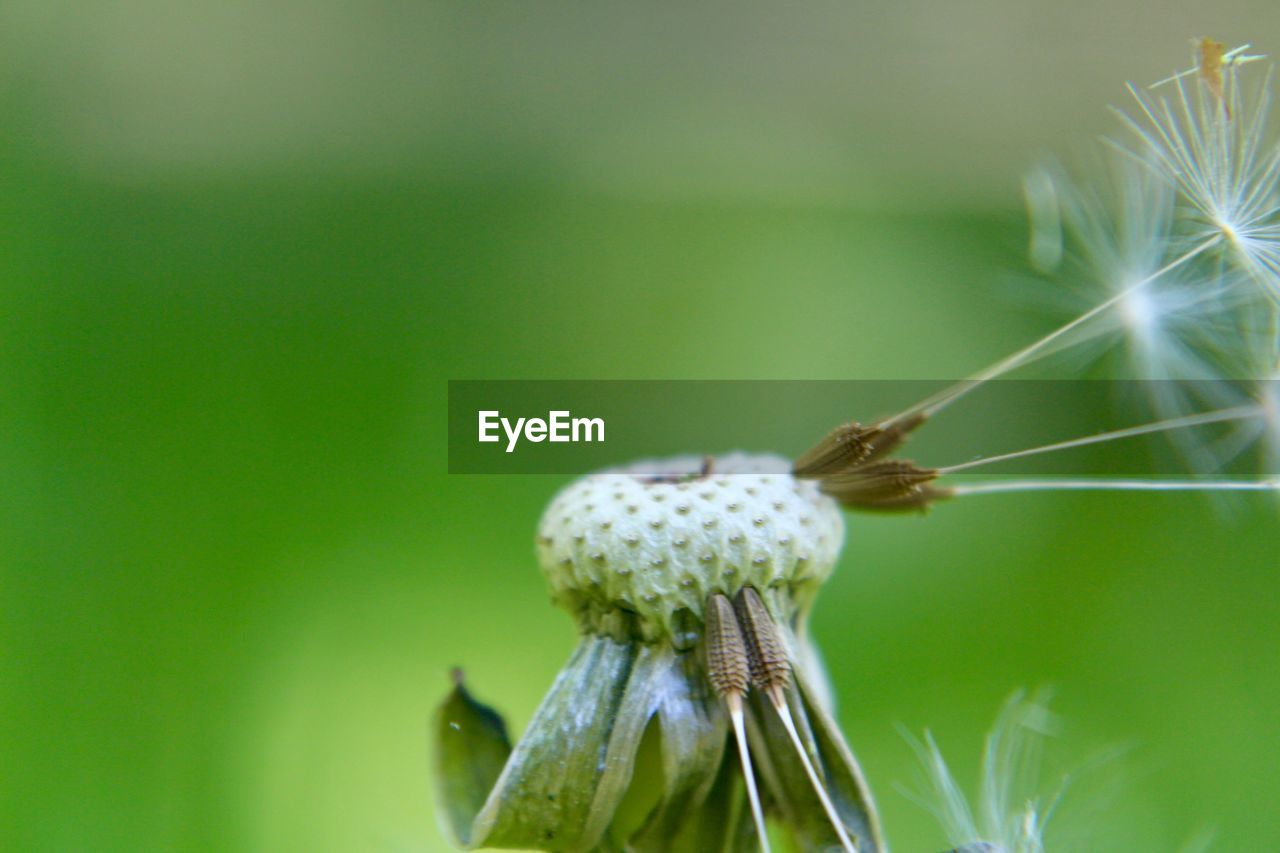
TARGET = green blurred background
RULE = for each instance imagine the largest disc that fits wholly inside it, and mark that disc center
(244, 245)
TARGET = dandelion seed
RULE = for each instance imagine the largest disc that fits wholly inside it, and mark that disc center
(728, 670)
(1214, 144)
(901, 485)
(770, 667)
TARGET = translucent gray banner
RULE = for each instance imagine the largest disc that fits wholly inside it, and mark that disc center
(573, 427)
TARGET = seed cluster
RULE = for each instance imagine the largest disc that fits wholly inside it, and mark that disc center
(851, 465)
(728, 666)
(655, 539)
(766, 655)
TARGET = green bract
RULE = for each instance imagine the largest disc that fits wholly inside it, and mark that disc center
(631, 748)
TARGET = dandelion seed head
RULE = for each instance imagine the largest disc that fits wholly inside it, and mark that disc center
(758, 526)
(1120, 231)
(1171, 247)
(1211, 139)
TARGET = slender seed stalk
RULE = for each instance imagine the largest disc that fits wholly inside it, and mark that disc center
(818, 788)
(771, 674)
(1116, 485)
(734, 702)
(1236, 413)
(937, 402)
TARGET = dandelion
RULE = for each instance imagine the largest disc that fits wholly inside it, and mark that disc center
(695, 714)
(691, 584)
